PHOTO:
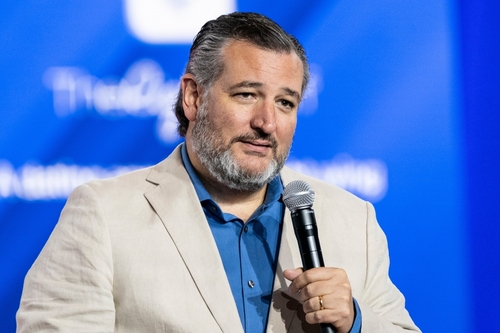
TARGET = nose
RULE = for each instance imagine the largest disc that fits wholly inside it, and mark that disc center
(264, 118)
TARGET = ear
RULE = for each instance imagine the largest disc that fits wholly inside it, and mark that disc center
(191, 96)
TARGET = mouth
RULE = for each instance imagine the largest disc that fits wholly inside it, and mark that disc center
(258, 143)
(257, 146)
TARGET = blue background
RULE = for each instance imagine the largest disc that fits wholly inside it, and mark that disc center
(410, 85)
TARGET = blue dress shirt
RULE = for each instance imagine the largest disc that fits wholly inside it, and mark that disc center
(249, 251)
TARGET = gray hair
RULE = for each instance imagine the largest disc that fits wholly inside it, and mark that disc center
(205, 58)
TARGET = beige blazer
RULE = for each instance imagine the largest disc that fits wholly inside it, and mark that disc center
(135, 254)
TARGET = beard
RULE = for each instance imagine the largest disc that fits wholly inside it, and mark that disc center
(222, 164)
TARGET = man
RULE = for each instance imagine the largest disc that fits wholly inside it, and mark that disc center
(201, 242)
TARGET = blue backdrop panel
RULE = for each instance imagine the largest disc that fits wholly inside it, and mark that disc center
(481, 78)
(87, 91)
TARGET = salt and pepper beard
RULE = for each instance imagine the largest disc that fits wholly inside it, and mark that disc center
(220, 161)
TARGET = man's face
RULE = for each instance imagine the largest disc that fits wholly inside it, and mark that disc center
(245, 124)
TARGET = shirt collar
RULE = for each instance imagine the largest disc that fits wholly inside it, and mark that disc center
(273, 193)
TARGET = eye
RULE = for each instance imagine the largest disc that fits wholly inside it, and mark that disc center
(287, 104)
(244, 95)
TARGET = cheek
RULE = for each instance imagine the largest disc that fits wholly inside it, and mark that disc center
(287, 129)
(227, 116)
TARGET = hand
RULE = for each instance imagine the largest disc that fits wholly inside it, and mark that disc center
(329, 286)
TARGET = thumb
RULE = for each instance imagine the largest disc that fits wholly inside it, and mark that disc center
(291, 274)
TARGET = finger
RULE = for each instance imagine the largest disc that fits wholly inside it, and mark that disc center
(315, 303)
(291, 274)
(314, 275)
(340, 315)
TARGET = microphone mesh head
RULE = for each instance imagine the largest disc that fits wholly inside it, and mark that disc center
(298, 194)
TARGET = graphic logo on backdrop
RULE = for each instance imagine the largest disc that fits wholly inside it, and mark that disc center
(171, 21)
(142, 92)
(50, 182)
(365, 178)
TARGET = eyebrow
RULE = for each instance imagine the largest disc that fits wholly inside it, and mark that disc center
(253, 84)
(247, 84)
(292, 92)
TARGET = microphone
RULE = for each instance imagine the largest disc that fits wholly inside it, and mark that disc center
(298, 197)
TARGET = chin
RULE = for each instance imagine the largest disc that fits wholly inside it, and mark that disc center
(254, 168)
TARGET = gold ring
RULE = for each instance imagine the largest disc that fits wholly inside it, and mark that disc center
(321, 305)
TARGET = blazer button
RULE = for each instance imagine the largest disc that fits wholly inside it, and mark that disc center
(251, 284)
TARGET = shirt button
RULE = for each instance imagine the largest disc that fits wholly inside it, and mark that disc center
(245, 229)
(251, 284)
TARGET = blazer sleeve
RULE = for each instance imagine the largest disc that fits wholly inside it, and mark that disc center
(69, 287)
(382, 304)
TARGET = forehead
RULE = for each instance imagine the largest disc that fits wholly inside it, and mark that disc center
(244, 61)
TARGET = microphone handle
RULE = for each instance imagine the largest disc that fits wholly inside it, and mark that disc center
(306, 232)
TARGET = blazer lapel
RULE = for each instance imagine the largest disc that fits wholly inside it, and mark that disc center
(175, 201)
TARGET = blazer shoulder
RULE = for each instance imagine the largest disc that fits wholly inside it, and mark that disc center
(143, 179)
(130, 181)
(325, 191)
